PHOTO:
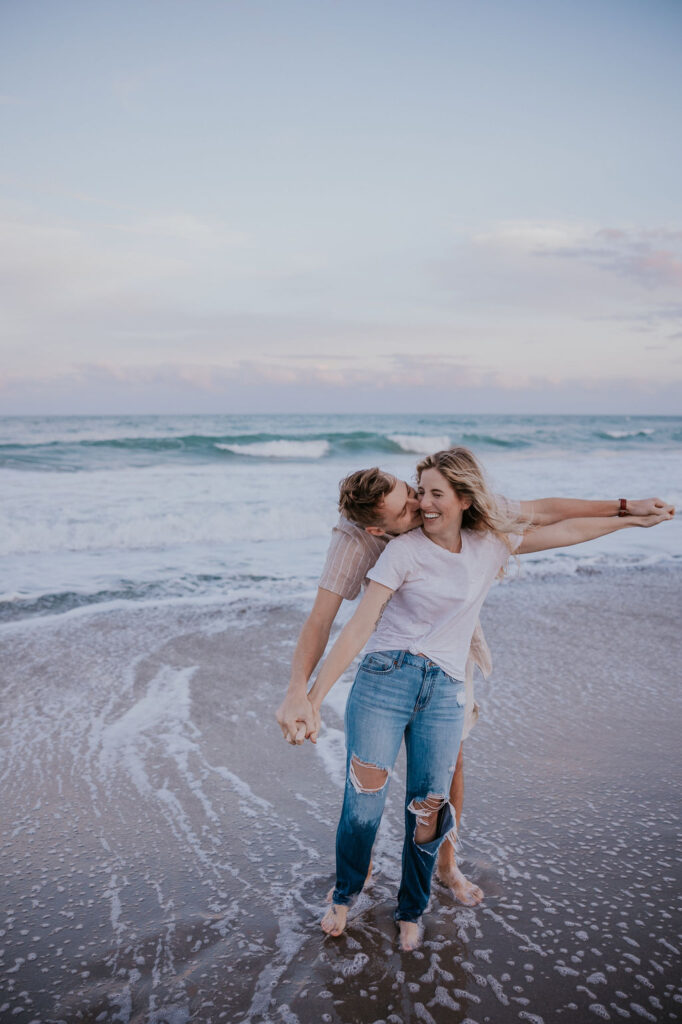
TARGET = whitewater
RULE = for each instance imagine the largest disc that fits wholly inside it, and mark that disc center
(100, 509)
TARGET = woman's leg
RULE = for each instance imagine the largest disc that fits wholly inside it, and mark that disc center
(377, 712)
(379, 707)
(432, 741)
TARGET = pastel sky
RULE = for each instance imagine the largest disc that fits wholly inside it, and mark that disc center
(331, 205)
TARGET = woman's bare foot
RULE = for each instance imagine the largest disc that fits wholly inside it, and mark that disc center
(334, 921)
(364, 884)
(410, 935)
(459, 885)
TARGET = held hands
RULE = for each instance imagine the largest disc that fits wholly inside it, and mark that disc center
(649, 507)
(298, 719)
(653, 518)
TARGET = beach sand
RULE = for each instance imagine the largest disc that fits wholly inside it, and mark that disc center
(166, 855)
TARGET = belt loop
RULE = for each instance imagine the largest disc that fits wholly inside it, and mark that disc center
(399, 660)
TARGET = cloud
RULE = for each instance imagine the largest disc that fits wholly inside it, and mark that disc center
(653, 318)
(650, 256)
(175, 300)
(254, 388)
(424, 374)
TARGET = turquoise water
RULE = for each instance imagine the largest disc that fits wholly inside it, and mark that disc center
(108, 509)
(80, 444)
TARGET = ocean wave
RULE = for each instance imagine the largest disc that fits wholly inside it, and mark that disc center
(496, 442)
(281, 449)
(419, 444)
(321, 439)
(620, 435)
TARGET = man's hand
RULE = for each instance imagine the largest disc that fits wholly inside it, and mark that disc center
(298, 719)
(649, 507)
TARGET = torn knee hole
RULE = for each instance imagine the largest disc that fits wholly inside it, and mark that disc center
(426, 812)
(365, 777)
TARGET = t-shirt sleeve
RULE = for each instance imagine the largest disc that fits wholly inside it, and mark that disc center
(392, 565)
(345, 567)
(502, 547)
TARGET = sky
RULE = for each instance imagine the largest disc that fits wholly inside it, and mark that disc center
(367, 205)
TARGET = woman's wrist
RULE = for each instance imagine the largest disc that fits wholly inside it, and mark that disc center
(314, 696)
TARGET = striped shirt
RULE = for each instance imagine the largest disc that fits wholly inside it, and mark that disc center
(352, 553)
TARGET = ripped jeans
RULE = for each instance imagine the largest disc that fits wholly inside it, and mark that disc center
(398, 694)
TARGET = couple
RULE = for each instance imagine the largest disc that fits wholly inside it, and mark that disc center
(451, 539)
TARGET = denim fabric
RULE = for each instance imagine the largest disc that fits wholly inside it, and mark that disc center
(398, 694)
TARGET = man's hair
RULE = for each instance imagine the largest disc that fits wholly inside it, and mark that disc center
(361, 494)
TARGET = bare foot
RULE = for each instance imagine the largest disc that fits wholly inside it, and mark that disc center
(410, 935)
(365, 883)
(334, 921)
(459, 885)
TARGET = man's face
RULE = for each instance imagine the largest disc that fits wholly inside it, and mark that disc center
(399, 510)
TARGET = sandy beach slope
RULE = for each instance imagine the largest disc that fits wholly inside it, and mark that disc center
(166, 854)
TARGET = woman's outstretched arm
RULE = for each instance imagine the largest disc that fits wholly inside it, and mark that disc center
(350, 642)
(547, 511)
(576, 531)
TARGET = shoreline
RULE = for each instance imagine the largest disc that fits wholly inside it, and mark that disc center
(170, 853)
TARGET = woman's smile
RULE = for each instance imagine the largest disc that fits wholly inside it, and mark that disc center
(441, 508)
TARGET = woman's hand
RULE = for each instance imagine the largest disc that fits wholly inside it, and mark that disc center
(654, 518)
(648, 507)
(577, 531)
(297, 718)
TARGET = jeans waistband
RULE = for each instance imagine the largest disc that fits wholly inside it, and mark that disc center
(419, 661)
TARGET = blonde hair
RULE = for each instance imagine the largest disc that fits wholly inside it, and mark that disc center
(466, 476)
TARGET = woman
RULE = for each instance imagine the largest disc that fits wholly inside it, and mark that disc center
(411, 681)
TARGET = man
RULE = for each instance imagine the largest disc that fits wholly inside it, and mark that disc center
(374, 507)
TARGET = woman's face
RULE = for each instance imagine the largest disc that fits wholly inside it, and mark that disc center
(440, 506)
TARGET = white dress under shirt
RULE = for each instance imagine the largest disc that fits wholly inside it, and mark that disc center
(438, 594)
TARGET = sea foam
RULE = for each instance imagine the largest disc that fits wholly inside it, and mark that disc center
(420, 444)
(279, 449)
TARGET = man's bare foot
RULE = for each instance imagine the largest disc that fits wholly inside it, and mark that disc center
(459, 885)
(334, 921)
(365, 883)
(410, 935)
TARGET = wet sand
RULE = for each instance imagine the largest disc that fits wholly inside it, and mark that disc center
(166, 854)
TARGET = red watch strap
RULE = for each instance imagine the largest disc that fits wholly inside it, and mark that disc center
(623, 510)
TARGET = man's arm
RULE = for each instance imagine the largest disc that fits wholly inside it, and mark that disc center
(576, 531)
(296, 716)
(545, 511)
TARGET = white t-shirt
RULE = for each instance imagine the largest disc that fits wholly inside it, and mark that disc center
(438, 594)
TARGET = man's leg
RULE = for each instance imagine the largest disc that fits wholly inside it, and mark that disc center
(446, 868)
